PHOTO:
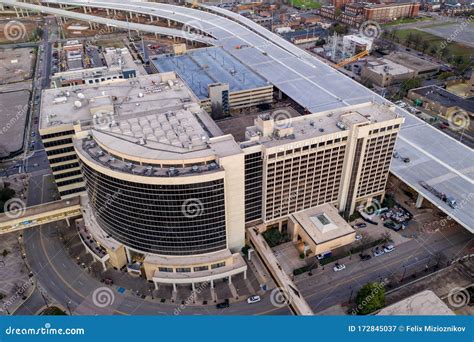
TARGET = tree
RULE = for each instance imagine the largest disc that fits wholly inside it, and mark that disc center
(409, 39)
(370, 298)
(424, 46)
(409, 84)
(5, 195)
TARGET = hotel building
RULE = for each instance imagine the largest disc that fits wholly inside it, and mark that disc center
(166, 194)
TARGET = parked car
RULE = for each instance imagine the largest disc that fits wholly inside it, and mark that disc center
(378, 252)
(358, 237)
(365, 257)
(223, 305)
(360, 225)
(388, 249)
(107, 281)
(324, 255)
(339, 267)
(253, 299)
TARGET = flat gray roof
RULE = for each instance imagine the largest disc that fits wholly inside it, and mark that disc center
(205, 66)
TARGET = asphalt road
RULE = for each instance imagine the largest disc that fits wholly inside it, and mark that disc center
(66, 282)
(326, 287)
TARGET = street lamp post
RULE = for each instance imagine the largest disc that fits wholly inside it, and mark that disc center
(68, 307)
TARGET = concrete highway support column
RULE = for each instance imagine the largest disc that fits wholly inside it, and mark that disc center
(419, 201)
(156, 285)
(230, 279)
(174, 287)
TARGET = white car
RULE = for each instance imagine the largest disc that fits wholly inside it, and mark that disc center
(388, 249)
(358, 237)
(378, 252)
(253, 299)
(339, 267)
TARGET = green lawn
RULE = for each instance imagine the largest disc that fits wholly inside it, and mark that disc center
(309, 4)
(407, 21)
(454, 48)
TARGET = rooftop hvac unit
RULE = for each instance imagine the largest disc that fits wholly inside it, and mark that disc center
(341, 125)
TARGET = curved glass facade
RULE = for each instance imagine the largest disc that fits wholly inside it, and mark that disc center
(182, 219)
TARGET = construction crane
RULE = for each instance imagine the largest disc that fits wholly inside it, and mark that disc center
(352, 59)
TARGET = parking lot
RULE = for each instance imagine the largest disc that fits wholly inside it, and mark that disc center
(13, 115)
(16, 65)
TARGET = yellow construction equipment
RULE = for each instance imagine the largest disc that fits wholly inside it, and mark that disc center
(352, 59)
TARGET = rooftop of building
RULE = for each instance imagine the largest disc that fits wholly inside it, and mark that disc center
(119, 58)
(322, 223)
(391, 4)
(420, 304)
(385, 66)
(318, 124)
(115, 100)
(444, 97)
(201, 67)
(411, 61)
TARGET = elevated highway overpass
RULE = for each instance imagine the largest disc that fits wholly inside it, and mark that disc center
(436, 158)
(40, 214)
